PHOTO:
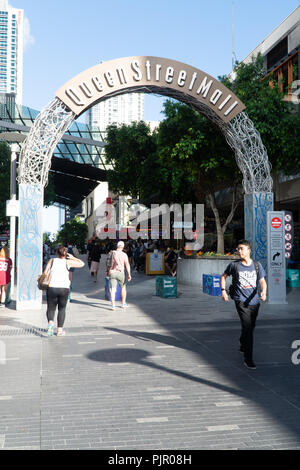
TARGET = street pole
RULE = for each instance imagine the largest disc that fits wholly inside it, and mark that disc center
(13, 197)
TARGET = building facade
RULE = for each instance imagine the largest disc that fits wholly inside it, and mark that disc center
(281, 53)
(121, 109)
(11, 50)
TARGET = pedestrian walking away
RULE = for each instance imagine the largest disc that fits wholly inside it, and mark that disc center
(58, 290)
(247, 277)
(118, 261)
(95, 260)
(5, 268)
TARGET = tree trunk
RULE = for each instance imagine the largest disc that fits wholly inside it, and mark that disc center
(220, 233)
(222, 229)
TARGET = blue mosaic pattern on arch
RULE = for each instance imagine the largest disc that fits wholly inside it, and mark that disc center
(30, 242)
(256, 207)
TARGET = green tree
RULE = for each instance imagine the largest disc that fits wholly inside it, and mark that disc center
(273, 117)
(131, 150)
(198, 162)
(74, 231)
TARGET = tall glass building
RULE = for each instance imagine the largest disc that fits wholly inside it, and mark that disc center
(121, 109)
(11, 50)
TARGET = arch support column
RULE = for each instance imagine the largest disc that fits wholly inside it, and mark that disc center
(30, 243)
(256, 206)
(35, 162)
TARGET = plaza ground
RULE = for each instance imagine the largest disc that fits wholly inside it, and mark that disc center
(163, 374)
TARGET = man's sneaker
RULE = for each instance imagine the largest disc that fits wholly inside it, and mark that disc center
(2, 305)
(125, 305)
(250, 364)
(113, 307)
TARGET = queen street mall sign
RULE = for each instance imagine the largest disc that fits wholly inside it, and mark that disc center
(149, 74)
(276, 257)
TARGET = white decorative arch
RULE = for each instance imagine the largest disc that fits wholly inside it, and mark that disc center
(136, 74)
(149, 75)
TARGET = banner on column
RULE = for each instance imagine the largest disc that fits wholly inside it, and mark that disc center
(30, 247)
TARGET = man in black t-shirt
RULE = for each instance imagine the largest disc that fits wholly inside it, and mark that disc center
(247, 276)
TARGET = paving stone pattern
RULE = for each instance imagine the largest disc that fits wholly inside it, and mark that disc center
(163, 374)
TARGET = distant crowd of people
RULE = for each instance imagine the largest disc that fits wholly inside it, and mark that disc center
(136, 251)
(120, 257)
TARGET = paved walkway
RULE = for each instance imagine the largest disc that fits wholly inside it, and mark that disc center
(163, 374)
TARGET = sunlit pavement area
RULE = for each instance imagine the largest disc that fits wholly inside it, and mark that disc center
(162, 374)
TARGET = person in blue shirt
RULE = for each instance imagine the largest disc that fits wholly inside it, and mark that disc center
(247, 276)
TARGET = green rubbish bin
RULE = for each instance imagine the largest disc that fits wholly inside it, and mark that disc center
(293, 277)
(166, 287)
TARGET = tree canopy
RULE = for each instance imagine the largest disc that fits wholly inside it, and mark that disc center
(74, 231)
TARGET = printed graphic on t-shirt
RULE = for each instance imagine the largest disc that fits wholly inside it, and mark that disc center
(247, 279)
(3, 265)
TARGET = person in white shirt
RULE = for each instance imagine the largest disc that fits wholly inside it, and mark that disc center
(58, 290)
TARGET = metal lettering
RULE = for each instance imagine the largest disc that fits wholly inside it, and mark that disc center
(135, 65)
(97, 83)
(86, 90)
(169, 75)
(122, 75)
(231, 108)
(193, 81)
(204, 87)
(109, 78)
(181, 78)
(225, 102)
(216, 96)
(158, 69)
(148, 70)
(74, 97)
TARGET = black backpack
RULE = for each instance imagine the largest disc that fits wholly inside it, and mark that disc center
(232, 286)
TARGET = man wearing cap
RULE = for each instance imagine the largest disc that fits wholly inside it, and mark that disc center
(116, 274)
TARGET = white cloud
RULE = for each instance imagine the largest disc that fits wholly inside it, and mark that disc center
(28, 38)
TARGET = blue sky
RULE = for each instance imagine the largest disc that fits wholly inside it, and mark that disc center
(65, 37)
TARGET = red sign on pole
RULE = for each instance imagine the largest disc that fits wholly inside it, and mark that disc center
(276, 222)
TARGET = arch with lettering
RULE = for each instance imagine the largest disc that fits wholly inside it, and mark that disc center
(135, 74)
(149, 75)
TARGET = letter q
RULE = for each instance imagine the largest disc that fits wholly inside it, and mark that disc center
(296, 354)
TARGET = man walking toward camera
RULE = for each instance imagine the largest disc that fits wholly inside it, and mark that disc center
(246, 276)
(116, 271)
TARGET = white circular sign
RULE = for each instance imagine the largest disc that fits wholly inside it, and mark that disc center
(287, 254)
(288, 227)
(288, 246)
(288, 237)
(288, 218)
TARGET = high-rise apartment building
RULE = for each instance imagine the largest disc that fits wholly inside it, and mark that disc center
(11, 50)
(121, 109)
